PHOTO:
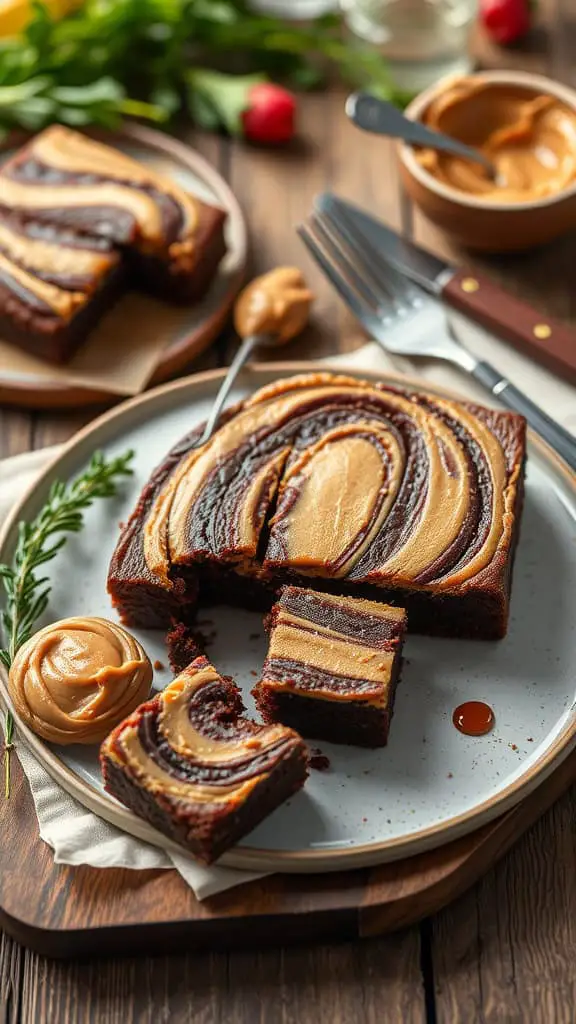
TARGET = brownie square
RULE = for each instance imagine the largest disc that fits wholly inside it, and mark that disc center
(332, 668)
(196, 769)
(54, 286)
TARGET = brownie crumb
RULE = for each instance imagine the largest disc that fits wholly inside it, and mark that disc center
(513, 746)
(318, 761)
(253, 673)
(450, 775)
(184, 645)
(159, 665)
(530, 739)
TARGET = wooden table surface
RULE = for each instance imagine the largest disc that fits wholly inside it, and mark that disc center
(506, 950)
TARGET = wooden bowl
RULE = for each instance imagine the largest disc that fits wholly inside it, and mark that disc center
(479, 223)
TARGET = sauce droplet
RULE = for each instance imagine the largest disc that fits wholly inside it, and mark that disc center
(474, 718)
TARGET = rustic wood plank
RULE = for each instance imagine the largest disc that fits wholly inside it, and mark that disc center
(505, 951)
(326, 985)
(278, 189)
(11, 973)
(15, 432)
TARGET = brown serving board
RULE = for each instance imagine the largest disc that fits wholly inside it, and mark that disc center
(73, 912)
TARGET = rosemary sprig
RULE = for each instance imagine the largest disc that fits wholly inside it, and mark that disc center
(26, 593)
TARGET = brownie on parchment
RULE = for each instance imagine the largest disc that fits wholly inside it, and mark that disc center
(54, 285)
(158, 236)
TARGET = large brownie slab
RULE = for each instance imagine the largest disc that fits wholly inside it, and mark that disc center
(346, 486)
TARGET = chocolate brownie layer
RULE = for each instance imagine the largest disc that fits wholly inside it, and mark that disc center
(347, 486)
(54, 286)
(191, 765)
(332, 667)
(65, 178)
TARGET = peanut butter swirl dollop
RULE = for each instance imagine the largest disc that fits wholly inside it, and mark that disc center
(276, 303)
(530, 137)
(74, 680)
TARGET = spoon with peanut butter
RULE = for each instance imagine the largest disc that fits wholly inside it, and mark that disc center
(383, 118)
(269, 312)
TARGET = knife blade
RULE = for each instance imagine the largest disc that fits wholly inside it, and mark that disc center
(542, 337)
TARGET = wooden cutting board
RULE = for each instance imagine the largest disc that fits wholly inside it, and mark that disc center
(73, 912)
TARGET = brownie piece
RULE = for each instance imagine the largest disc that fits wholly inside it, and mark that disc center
(184, 645)
(174, 240)
(191, 765)
(332, 668)
(54, 286)
(346, 486)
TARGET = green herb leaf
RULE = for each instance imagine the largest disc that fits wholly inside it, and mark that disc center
(228, 95)
(38, 542)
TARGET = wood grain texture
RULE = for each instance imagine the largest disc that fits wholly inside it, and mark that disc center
(506, 950)
(68, 912)
(330, 985)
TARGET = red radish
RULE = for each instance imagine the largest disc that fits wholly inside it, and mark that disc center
(270, 114)
(505, 20)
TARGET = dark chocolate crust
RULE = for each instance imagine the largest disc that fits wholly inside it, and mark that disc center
(215, 802)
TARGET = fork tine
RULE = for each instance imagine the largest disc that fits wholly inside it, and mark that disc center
(381, 271)
(336, 275)
(357, 273)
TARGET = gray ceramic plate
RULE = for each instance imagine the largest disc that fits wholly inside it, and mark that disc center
(431, 784)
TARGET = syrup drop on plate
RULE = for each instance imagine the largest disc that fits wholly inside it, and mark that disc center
(474, 718)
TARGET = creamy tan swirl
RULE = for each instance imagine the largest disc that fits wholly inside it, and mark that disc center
(372, 484)
(123, 183)
(276, 303)
(232, 754)
(74, 680)
(63, 303)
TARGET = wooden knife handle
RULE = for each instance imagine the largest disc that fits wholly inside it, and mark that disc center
(539, 336)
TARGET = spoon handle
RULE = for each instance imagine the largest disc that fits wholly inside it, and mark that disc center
(375, 115)
(243, 354)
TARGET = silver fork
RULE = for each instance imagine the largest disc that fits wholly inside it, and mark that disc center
(405, 320)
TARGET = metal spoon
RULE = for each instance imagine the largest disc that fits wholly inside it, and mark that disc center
(285, 313)
(375, 115)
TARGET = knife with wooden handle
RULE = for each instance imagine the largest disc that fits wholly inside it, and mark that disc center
(542, 337)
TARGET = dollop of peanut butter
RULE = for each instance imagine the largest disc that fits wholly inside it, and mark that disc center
(74, 680)
(276, 303)
(529, 137)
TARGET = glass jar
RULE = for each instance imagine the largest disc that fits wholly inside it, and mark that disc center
(294, 10)
(422, 40)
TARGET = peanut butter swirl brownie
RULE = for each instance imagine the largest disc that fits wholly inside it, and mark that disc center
(99, 201)
(332, 667)
(343, 485)
(191, 765)
(54, 285)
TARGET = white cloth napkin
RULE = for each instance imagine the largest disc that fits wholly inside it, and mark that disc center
(78, 836)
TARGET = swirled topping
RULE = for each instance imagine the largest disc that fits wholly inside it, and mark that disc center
(276, 303)
(192, 745)
(96, 189)
(332, 648)
(77, 678)
(370, 484)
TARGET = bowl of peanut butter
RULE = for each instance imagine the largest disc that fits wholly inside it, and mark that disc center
(526, 125)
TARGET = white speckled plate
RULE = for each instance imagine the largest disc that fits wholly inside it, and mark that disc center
(431, 784)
